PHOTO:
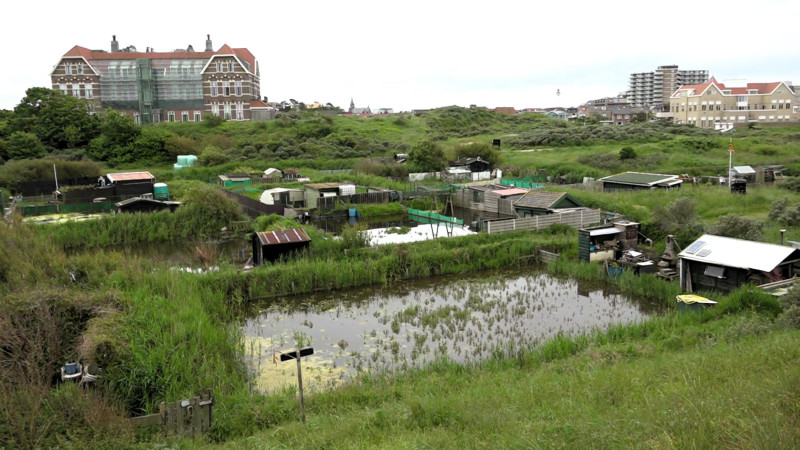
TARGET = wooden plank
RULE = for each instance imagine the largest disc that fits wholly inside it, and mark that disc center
(197, 427)
(179, 418)
(146, 421)
(162, 409)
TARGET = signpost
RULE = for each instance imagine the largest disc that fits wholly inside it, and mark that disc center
(297, 354)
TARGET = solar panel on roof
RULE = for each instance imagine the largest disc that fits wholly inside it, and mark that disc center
(695, 247)
(704, 252)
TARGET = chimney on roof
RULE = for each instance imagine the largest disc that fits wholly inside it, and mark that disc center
(209, 48)
(190, 48)
(114, 44)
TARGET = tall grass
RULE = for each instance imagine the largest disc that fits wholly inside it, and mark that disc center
(178, 340)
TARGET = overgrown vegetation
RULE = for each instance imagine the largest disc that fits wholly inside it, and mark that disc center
(71, 293)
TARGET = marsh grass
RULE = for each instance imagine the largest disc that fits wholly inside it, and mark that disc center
(599, 395)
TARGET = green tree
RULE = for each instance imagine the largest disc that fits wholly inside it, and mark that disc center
(426, 156)
(150, 144)
(118, 128)
(115, 142)
(22, 145)
(59, 121)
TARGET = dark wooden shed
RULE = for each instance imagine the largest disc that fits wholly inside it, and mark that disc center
(639, 181)
(474, 164)
(271, 245)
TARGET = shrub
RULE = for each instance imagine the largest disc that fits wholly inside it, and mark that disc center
(679, 219)
(627, 153)
(784, 213)
(735, 226)
(791, 183)
(212, 156)
(212, 121)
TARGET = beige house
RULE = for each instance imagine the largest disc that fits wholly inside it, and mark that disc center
(714, 105)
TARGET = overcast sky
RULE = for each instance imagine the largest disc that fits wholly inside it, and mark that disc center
(424, 54)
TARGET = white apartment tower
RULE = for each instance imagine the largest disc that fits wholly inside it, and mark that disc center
(653, 89)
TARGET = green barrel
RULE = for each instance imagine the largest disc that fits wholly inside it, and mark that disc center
(161, 191)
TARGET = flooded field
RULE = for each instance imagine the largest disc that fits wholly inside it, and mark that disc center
(401, 327)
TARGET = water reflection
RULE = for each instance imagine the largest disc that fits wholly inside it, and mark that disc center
(407, 326)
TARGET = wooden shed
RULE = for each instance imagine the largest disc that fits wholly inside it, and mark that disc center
(127, 184)
(313, 191)
(604, 242)
(537, 203)
(639, 181)
(723, 263)
(272, 245)
(474, 164)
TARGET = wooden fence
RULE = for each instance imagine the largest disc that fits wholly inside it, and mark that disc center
(189, 417)
(576, 219)
(253, 207)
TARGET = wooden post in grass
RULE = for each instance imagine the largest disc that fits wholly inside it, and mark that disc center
(297, 354)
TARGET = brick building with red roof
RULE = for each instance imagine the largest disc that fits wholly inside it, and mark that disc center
(714, 105)
(150, 86)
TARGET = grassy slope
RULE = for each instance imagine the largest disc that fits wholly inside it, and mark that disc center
(715, 385)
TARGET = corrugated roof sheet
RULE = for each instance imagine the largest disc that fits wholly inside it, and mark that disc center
(739, 253)
(650, 179)
(543, 199)
(130, 176)
(319, 186)
(283, 236)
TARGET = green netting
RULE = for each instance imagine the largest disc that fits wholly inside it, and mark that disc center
(432, 217)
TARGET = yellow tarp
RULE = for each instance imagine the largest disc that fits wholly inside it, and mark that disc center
(691, 298)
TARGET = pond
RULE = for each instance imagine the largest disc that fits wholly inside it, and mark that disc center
(399, 327)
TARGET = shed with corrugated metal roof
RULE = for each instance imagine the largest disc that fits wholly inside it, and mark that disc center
(722, 263)
(272, 245)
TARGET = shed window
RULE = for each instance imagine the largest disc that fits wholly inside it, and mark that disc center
(714, 271)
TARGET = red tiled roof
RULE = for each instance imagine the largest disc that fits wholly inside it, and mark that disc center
(282, 236)
(241, 53)
(244, 55)
(761, 88)
(258, 104)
